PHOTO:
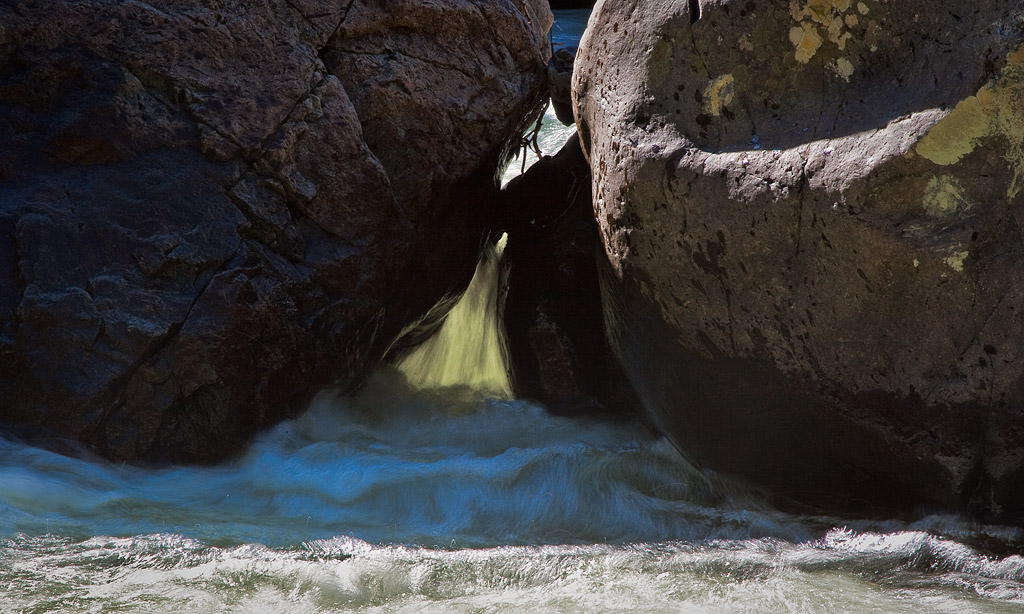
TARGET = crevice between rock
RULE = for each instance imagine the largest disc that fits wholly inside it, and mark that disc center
(123, 381)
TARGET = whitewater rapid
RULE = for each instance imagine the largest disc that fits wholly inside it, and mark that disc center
(400, 501)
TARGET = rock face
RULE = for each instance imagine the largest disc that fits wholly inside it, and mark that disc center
(812, 214)
(552, 311)
(208, 212)
(560, 84)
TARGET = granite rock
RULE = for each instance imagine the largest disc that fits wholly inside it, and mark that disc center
(811, 213)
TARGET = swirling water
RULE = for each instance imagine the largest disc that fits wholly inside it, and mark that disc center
(398, 500)
(404, 499)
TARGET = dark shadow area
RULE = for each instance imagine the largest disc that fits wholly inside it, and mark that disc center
(553, 319)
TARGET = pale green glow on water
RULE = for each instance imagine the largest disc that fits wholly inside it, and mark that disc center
(468, 351)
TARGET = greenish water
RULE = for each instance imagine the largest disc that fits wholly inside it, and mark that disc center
(451, 497)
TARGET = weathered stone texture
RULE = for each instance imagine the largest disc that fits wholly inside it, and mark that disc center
(209, 210)
(812, 217)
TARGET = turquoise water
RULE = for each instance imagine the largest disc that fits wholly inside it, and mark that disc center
(392, 466)
(450, 498)
(568, 27)
(398, 500)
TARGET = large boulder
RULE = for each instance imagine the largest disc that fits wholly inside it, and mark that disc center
(560, 84)
(812, 215)
(208, 211)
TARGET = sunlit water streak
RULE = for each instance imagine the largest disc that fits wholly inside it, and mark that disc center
(161, 573)
(434, 498)
(550, 139)
(468, 351)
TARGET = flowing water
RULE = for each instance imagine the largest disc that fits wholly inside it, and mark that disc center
(434, 491)
(400, 500)
(566, 32)
(468, 352)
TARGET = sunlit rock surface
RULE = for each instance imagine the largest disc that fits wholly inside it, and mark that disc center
(208, 212)
(812, 215)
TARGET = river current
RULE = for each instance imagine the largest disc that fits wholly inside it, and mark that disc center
(433, 491)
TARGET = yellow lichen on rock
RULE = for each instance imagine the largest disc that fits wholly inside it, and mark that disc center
(957, 134)
(807, 42)
(718, 94)
(945, 197)
(817, 21)
(955, 260)
(996, 110)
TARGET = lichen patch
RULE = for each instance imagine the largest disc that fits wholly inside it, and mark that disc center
(955, 260)
(944, 197)
(807, 42)
(957, 134)
(719, 94)
(844, 68)
(997, 110)
(819, 21)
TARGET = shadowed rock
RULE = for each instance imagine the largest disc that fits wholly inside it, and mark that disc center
(208, 212)
(552, 311)
(572, 4)
(560, 84)
(811, 213)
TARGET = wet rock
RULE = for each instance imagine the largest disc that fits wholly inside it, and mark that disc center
(811, 215)
(552, 311)
(208, 212)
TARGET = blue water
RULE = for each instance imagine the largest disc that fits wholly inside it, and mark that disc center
(568, 27)
(404, 500)
(396, 466)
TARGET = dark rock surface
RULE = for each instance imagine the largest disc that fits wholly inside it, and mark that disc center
(812, 218)
(209, 211)
(560, 84)
(572, 4)
(552, 311)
